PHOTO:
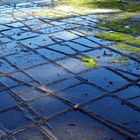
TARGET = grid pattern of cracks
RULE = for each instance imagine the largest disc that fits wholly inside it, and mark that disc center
(24, 89)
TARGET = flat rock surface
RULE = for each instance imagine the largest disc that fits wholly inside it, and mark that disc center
(47, 92)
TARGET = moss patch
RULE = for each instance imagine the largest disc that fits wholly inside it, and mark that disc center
(122, 16)
(125, 47)
(125, 26)
(119, 37)
(89, 62)
(121, 60)
(113, 4)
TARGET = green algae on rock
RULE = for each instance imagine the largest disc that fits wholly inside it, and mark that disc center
(119, 37)
(89, 62)
(121, 60)
(126, 47)
(125, 26)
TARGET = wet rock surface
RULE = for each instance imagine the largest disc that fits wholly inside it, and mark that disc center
(58, 81)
